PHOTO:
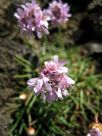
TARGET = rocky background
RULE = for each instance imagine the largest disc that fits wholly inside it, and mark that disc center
(84, 28)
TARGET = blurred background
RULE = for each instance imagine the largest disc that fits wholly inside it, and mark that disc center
(80, 43)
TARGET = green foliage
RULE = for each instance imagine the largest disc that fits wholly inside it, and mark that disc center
(69, 117)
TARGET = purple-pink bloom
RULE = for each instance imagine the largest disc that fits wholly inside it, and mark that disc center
(58, 12)
(94, 132)
(52, 82)
(32, 19)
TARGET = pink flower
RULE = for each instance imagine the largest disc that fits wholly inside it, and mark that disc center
(32, 19)
(59, 12)
(94, 132)
(55, 65)
(53, 82)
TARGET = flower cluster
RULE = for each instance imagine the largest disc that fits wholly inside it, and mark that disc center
(58, 12)
(94, 132)
(53, 82)
(32, 19)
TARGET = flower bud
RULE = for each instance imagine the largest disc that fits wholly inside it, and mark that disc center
(23, 96)
(30, 131)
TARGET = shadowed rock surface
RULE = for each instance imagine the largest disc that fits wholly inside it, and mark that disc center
(9, 48)
(8, 85)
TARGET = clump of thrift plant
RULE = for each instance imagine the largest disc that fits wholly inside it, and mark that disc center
(52, 83)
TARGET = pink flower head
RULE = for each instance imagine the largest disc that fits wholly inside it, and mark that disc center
(94, 132)
(32, 19)
(53, 82)
(59, 12)
(55, 65)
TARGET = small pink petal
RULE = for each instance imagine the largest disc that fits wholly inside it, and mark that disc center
(70, 81)
(55, 59)
(39, 85)
(17, 16)
(65, 92)
(39, 34)
(48, 86)
(31, 82)
(59, 93)
(51, 96)
(63, 70)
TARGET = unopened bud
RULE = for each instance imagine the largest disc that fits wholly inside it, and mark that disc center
(30, 131)
(23, 96)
